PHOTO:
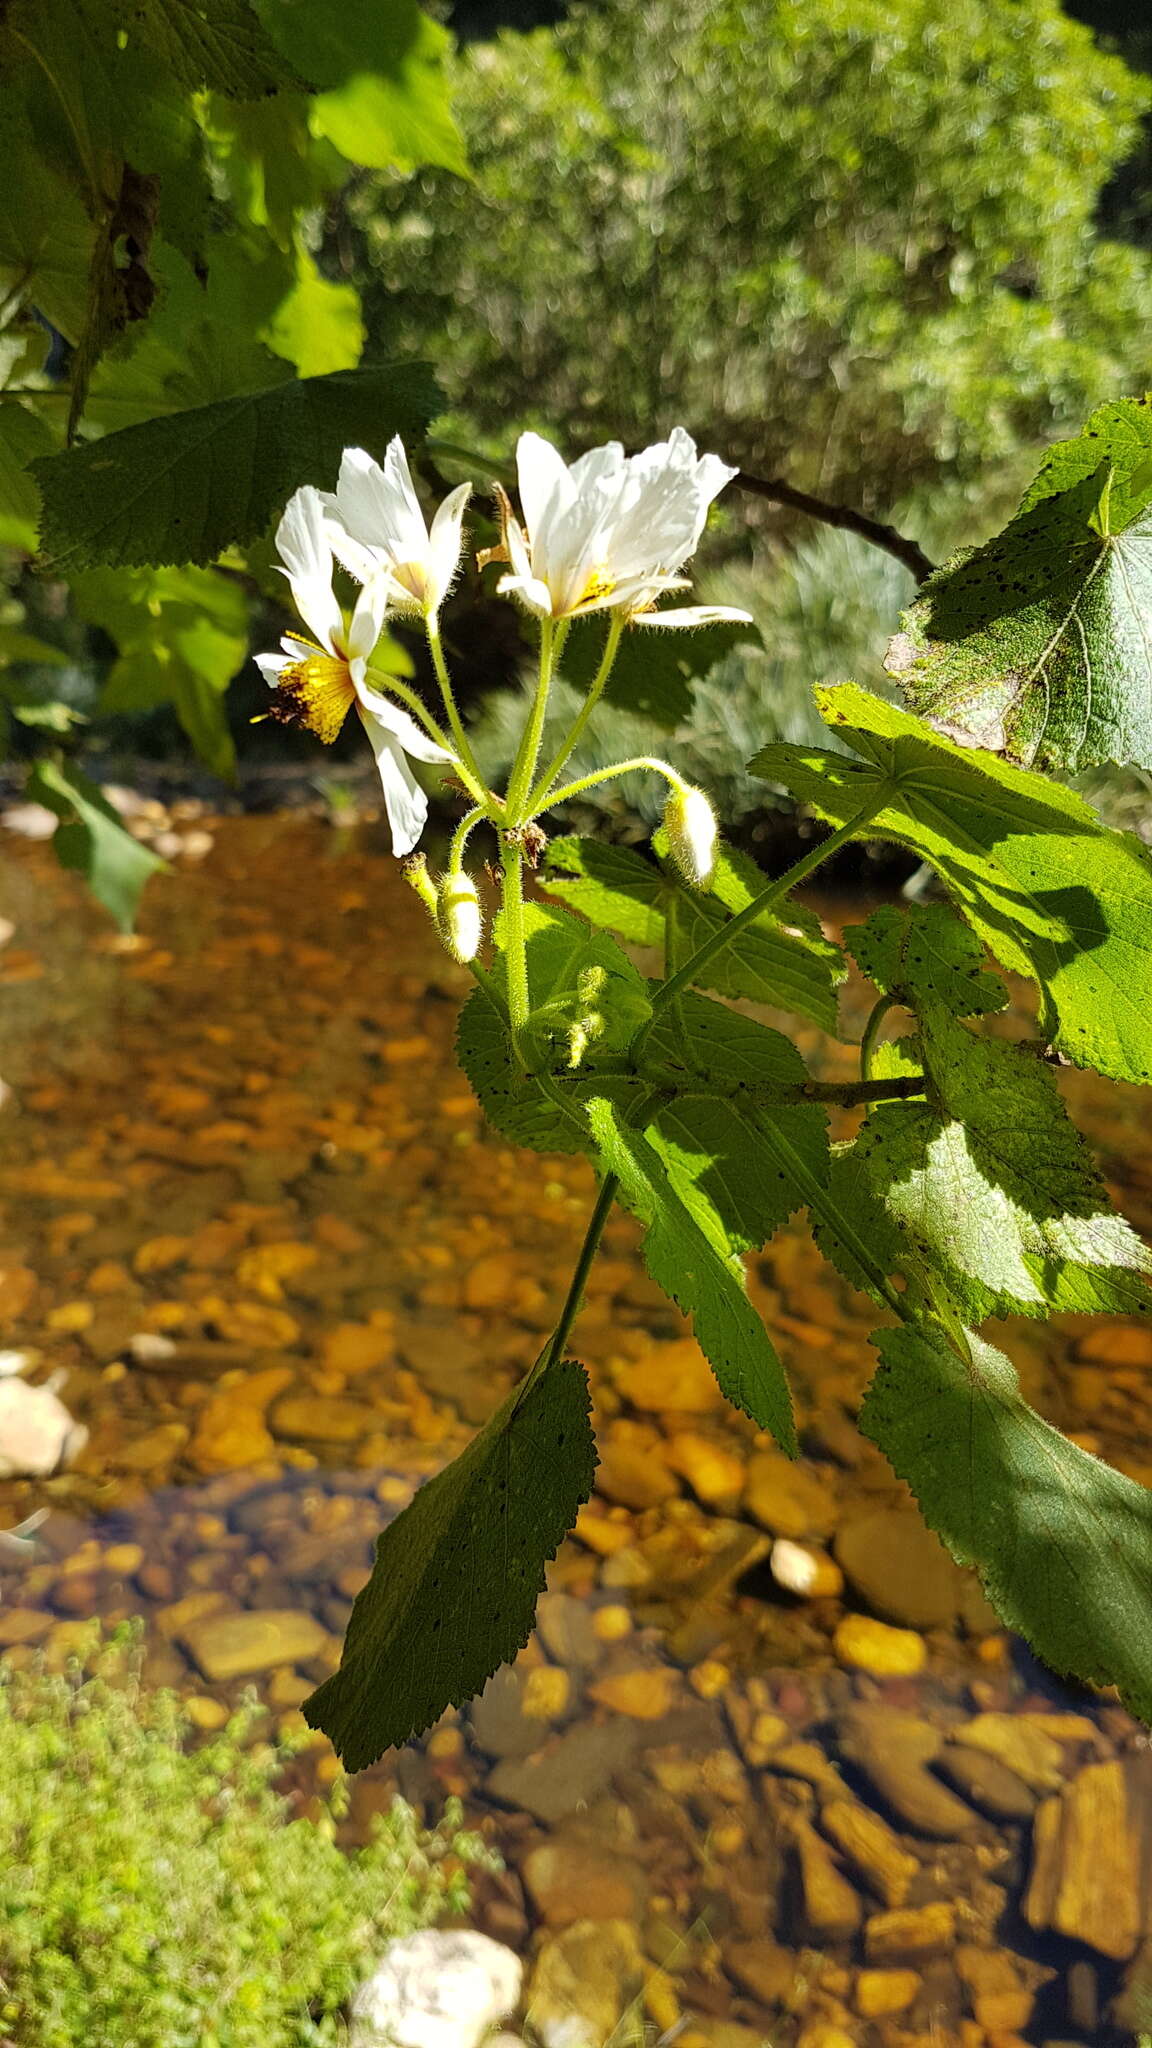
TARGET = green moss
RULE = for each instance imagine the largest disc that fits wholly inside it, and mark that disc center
(153, 1895)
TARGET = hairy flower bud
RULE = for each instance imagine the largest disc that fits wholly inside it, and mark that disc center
(691, 828)
(415, 873)
(458, 916)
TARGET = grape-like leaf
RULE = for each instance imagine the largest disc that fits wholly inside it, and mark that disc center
(1039, 644)
(698, 1270)
(925, 951)
(457, 1575)
(215, 43)
(381, 75)
(1063, 1544)
(91, 839)
(1052, 892)
(182, 489)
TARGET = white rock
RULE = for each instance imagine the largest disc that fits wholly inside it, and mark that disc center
(37, 1434)
(148, 1347)
(31, 821)
(13, 1363)
(437, 1989)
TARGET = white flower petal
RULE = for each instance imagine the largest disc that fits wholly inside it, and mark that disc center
(544, 480)
(531, 592)
(694, 615)
(400, 723)
(404, 800)
(303, 546)
(271, 667)
(379, 506)
(367, 621)
(444, 542)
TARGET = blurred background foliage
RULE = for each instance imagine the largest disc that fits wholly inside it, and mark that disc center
(882, 248)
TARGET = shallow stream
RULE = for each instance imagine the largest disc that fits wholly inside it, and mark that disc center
(249, 1210)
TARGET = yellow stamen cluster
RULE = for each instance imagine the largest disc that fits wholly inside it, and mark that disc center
(315, 693)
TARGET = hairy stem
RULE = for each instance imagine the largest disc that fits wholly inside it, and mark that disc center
(392, 686)
(554, 1349)
(649, 761)
(540, 797)
(524, 766)
(516, 946)
(471, 775)
(468, 824)
(868, 1042)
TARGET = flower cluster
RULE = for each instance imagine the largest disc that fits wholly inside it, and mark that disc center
(609, 533)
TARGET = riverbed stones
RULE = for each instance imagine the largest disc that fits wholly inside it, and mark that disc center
(872, 1849)
(577, 1876)
(863, 1644)
(671, 1379)
(829, 1907)
(572, 1771)
(323, 1418)
(1084, 1880)
(37, 1433)
(583, 1982)
(227, 1646)
(911, 1934)
(990, 1785)
(879, 1993)
(1018, 1744)
(787, 1499)
(893, 1750)
(898, 1568)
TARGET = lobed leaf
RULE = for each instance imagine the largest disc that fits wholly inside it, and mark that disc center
(220, 44)
(457, 1575)
(380, 73)
(1062, 1543)
(182, 489)
(1039, 644)
(1052, 892)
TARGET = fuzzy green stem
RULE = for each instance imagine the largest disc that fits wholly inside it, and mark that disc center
(765, 902)
(527, 754)
(871, 1033)
(540, 795)
(468, 824)
(571, 789)
(471, 775)
(515, 945)
(554, 1349)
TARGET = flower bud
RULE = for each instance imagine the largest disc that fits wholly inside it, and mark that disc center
(691, 828)
(415, 873)
(458, 916)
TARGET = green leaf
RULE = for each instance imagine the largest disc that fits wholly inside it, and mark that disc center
(785, 962)
(925, 951)
(653, 673)
(732, 1175)
(1063, 1544)
(519, 1105)
(849, 1197)
(692, 1262)
(216, 43)
(994, 1187)
(1052, 892)
(46, 233)
(383, 93)
(23, 436)
(724, 1046)
(182, 489)
(181, 634)
(318, 326)
(91, 839)
(1039, 643)
(457, 1575)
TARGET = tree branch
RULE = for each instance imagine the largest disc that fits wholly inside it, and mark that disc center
(779, 493)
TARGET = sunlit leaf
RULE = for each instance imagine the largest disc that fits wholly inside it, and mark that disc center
(1052, 892)
(687, 1252)
(925, 951)
(383, 94)
(91, 839)
(1063, 1544)
(23, 436)
(457, 1575)
(1040, 643)
(181, 635)
(182, 489)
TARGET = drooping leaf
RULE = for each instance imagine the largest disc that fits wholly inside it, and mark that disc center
(697, 1270)
(925, 951)
(181, 634)
(1063, 1543)
(1039, 644)
(785, 961)
(382, 95)
(91, 839)
(318, 326)
(457, 1575)
(653, 672)
(994, 1187)
(1052, 892)
(182, 489)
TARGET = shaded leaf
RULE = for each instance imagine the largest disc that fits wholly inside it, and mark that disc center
(697, 1270)
(1063, 1544)
(1039, 644)
(181, 634)
(182, 489)
(216, 43)
(91, 839)
(925, 951)
(1052, 892)
(382, 94)
(653, 673)
(23, 436)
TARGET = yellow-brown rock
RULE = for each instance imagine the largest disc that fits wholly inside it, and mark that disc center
(880, 1992)
(672, 1379)
(866, 1645)
(267, 1266)
(322, 1418)
(830, 1906)
(356, 1347)
(634, 1474)
(1001, 2002)
(646, 1694)
(810, 1574)
(231, 1432)
(715, 1474)
(546, 1693)
(1118, 1344)
(763, 1968)
(786, 1498)
(239, 1644)
(1017, 1742)
(261, 1327)
(871, 1847)
(1084, 1880)
(911, 1933)
(17, 1289)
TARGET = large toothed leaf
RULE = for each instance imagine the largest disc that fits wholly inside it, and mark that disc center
(689, 1254)
(454, 1588)
(925, 951)
(214, 43)
(1040, 643)
(1051, 892)
(183, 488)
(380, 67)
(1063, 1544)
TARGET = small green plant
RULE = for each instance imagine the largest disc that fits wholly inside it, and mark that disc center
(158, 1895)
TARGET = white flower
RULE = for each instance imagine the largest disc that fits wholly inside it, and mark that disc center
(376, 528)
(690, 823)
(316, 683)
(611, 532)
